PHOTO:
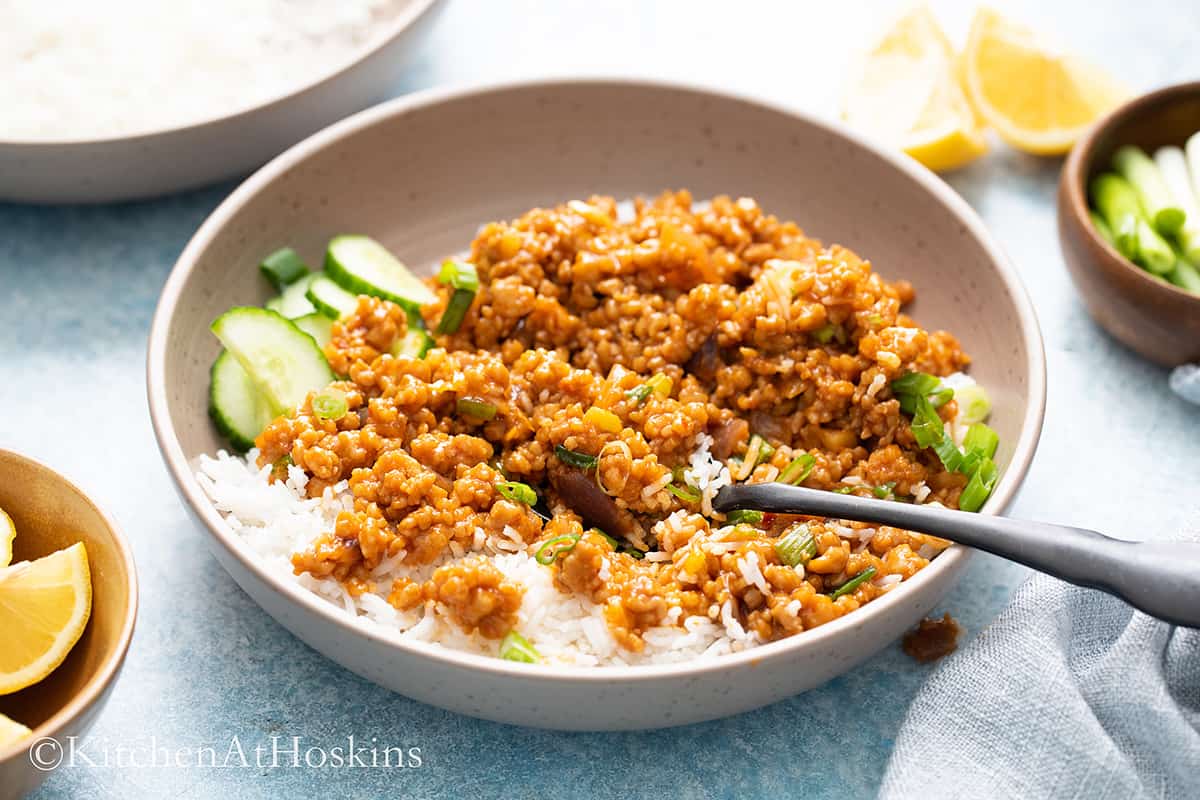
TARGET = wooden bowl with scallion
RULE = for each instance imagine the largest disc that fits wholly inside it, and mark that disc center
(1129, 223)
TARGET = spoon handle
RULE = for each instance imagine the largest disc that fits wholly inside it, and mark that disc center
(1159, 578)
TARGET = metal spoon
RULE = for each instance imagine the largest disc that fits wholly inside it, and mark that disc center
(1159, 578)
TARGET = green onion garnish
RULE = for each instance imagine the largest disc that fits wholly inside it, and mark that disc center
(476, 408)
(615, 544)
(551, 549)
(463, 278)
(748, 516)
(517, 492)
(573, 458)
(639, 393)
(981, 439)
(633, 552)
(843, 490)
(688, 494)
(824, 334)
(855, 582)
(799, 469)
(884, 492)
(796, 546)
(279, 470)
(515, 647)
(916, 383)
(974, 405)
(941, 396)
(330, 404)
(979, 487)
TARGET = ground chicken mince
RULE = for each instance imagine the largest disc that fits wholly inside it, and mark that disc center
(623, 366)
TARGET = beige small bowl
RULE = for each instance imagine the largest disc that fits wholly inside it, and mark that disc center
(424, 172)
(51, 513)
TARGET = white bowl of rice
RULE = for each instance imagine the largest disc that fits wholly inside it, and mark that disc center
(134, 98)
(546, 143)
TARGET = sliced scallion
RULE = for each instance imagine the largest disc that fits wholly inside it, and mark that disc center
(476, 408)
(462, 277)
(981, 439)
(330, 403)
(974, 405)
(639, 393)
(843, 490)
(688, 494)
(796, 546)
(825, 333)
(979, 487)
(884, 492)
(551, 549)
(746, 516)
(615, 544)
(573, 458)
(517, 492)
(515, 647)
(855, 582)
(798, 469)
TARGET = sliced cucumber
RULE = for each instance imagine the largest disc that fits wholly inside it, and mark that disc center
(330, 299)
(413, 344)
(235, 404)
(294, 302)
(361, 265)
(316, 325)
(274, 304)
(283, 268)
(283, 361)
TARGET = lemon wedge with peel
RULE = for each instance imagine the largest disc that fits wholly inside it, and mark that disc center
(8, 532)
(1037, 99)
(44, 606)
(906, 92)
(11, 731)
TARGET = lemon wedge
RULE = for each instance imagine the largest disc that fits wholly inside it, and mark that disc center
(906, 92)
(44, 606)
(11, 731)
(1038, 100)
(8, 532)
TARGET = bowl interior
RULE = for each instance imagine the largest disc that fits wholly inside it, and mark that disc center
(50, 513)
(423, 179)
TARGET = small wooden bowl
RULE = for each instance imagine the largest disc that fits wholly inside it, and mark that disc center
(1152, 317)
(51, 513)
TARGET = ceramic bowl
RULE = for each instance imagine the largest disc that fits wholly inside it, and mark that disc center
(422, 173)
(1153, 318)
(51, 513)
(172, 159)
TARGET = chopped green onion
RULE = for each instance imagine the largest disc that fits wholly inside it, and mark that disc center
(633, 552)
(463, 278)
(885, 491)
(1102, 228)
(551, 549)
(639, 393)
(798, 469)
(279, 470)
(476, 408)
(943, 395)
(824, 334)
(573, 458)
(517, 492)
(330, 404)
(765, 451)
(974, 405)
(615, 544)
(875, 320)
(843, 490)
(754, 453)
(855, 582)
(948, 452)
(981, 439)
(459, 275)
(916, 383)
(747, 516)
(796, 546)
(927, 427)
(515, 647)
(979, 487)
(688, 494)
(1142, 173)
(283, 268)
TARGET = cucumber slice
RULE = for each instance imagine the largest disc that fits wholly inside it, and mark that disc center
(316, 325)
(330, 299)
(235, 404)
(274, 304)
(283, 361)
(294, 302)
(361, 265)
(283, 268)
(413, 344)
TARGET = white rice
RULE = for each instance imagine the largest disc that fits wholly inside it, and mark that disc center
(276, 520)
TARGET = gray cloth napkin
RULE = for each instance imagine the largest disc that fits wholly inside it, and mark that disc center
(1069, 693)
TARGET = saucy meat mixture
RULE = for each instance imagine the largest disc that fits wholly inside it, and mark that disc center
(623, 370)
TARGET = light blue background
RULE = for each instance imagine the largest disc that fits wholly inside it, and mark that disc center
(78, 287)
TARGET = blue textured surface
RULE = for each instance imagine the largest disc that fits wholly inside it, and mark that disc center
(206, 665)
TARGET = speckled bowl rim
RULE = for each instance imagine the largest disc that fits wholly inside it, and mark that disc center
(1075, 180)
(107, 673)
(182, 471)
(388, 34)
